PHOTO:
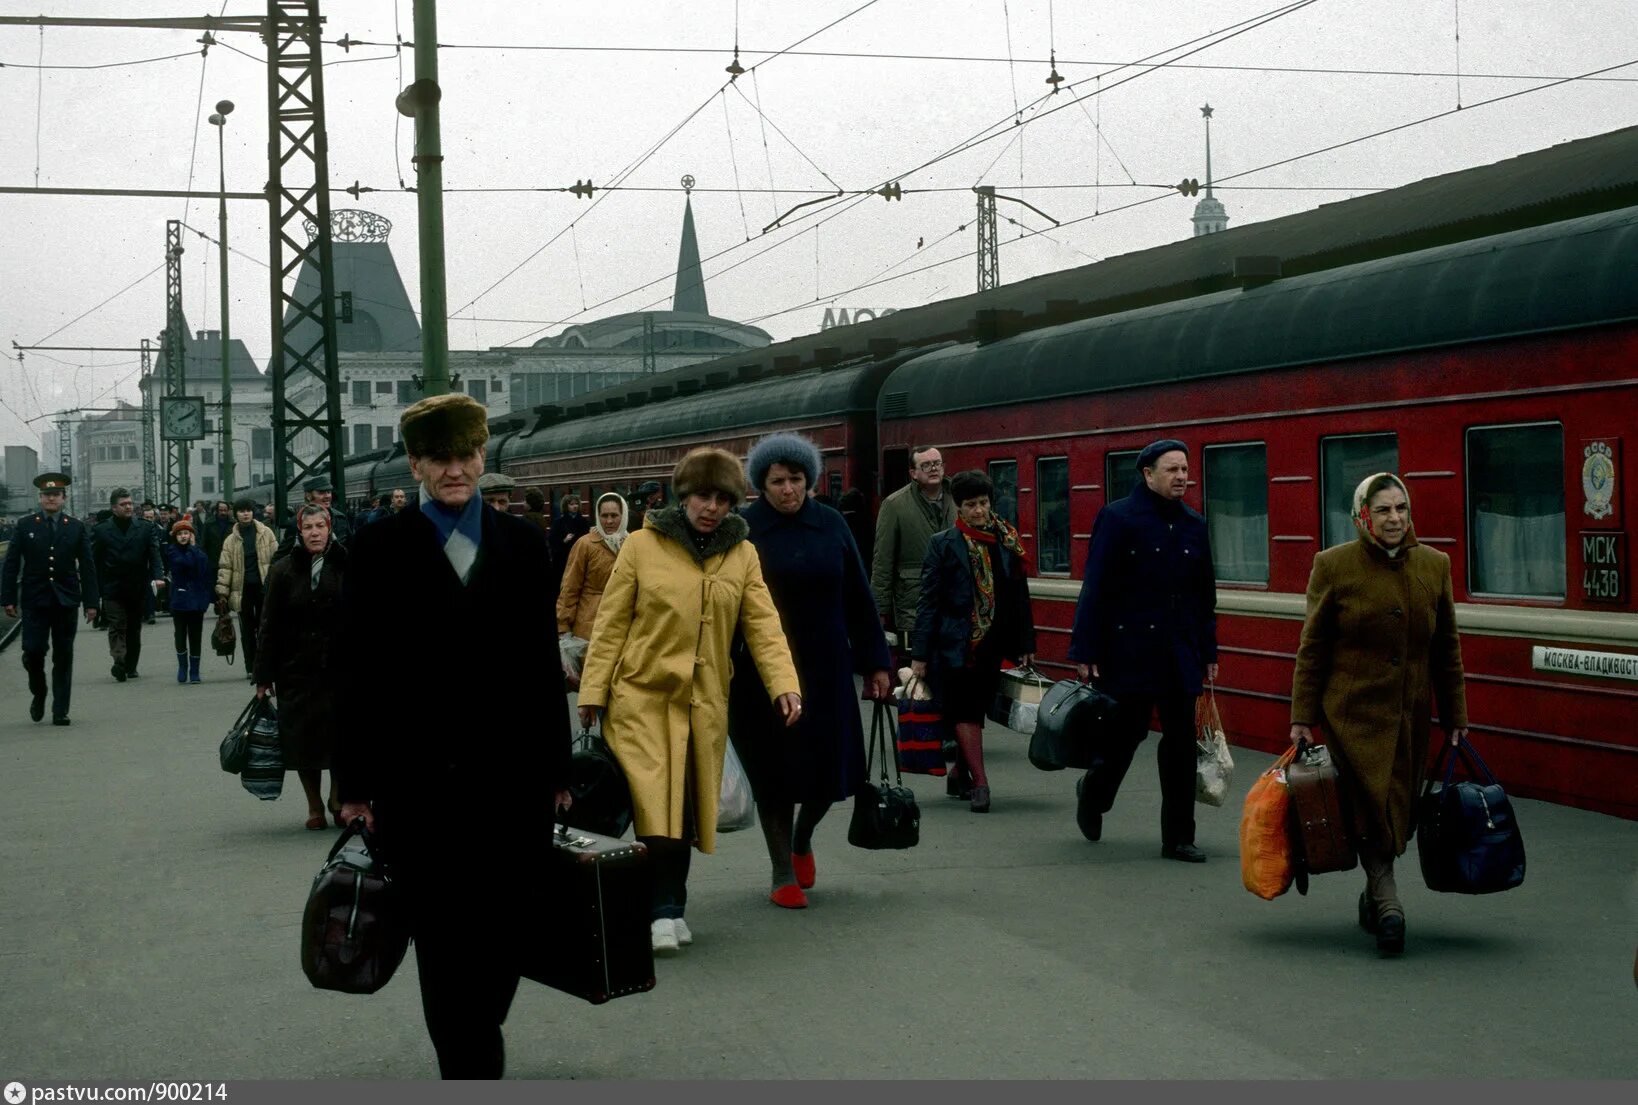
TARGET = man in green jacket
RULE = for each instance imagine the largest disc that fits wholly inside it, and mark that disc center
(908, 519)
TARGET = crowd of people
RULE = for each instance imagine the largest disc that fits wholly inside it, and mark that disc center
(707, 622)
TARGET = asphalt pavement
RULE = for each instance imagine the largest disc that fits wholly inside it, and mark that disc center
(150, 909)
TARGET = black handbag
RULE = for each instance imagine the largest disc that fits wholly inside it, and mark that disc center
(263, 773)
(1467, 838)
(1067, 726)
(885, 814)
(602, 797)
(235, 750)
(353, 931)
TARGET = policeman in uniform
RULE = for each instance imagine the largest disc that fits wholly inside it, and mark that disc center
(496, 489)
(50, 589)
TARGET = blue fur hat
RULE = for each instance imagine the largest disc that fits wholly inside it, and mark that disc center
(791, 450)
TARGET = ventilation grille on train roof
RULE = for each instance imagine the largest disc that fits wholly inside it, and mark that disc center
(895, 404)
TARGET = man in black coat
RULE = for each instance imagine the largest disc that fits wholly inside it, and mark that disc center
(461, 785)
(49, 570)
(1146, 632)
(128, 570)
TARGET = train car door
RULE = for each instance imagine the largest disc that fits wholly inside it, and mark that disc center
(895, 470)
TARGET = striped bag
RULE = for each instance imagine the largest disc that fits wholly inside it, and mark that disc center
(921, 734)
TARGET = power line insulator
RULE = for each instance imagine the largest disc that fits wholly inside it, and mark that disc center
(583, 189)
(891, 192)
(1054, 78)
(1189, 186)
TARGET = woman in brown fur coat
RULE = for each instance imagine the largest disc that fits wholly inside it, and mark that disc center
(1378, 645)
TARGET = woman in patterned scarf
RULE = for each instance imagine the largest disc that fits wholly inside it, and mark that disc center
(974, 611)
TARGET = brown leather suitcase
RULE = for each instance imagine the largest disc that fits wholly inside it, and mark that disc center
(595, 943)
(1320, 835)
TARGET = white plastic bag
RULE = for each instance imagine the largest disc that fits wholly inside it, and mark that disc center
(735, 808)
(1021, 718)
(1213, 766)
(572, 650)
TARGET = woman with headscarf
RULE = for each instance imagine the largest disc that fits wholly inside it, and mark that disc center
(301, 617)
(591, 559)
(822, 592)
(1379, 643)
(658, 666)
(974, 611)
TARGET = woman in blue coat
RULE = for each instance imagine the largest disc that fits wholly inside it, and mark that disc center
(822, 592)
(193, 586)
(974, 611)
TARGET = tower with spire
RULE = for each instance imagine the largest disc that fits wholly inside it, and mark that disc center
(689, 294)
(1210, 216)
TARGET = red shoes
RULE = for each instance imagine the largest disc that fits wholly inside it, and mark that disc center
(789, 897)
(805, 869)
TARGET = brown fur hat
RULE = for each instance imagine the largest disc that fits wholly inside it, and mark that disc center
(452, 425)
(709, 469)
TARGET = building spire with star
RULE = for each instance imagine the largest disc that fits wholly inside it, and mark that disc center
(1210, 216)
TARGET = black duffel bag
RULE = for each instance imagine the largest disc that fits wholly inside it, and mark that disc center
(263, 772)
(235, 750)
(1467, 838)
(885, 814)
(353, 931)
(602, 797)
(1068, 723)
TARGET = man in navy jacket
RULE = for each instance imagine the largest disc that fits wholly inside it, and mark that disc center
(1146, 632)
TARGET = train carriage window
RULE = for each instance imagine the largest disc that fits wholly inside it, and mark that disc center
(1344, 461)
(1119, 474)
(833, 486)
(1236, 484)
(1004, 475)
(1052, 516)
(1515, 510)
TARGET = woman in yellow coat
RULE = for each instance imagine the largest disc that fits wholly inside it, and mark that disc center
(658, 666)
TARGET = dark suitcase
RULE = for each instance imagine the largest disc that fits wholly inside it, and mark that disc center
(595, 942)
(1067, 726)
(1320, 836)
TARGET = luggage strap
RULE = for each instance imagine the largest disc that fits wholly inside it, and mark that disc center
(881, 724)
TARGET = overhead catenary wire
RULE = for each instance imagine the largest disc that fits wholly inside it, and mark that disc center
(733, 161)
(100, 64)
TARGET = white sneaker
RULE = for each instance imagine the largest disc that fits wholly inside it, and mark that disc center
(684, 936)
(662, 935)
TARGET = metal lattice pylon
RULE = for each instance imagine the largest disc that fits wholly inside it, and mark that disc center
(176, 452)
(298, 193)
(989, 246)
(150, 478)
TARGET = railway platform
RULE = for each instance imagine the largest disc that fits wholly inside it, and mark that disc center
(149, 914)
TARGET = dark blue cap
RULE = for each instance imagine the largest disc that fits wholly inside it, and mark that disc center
(1156, 449)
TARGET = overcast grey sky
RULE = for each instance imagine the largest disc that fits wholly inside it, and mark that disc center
(521, 118)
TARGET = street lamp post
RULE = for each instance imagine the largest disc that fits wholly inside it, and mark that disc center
(224, 108)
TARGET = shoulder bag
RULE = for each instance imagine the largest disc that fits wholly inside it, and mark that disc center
(1467, 838)
(885, 814)
(353, 931)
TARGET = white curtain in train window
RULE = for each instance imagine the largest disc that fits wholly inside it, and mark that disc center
(1052, 516)
(1236, 483)
(1344, 462)
(1515, 481)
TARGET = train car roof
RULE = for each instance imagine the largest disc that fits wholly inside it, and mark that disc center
(841, 390)
(1568, 180)
(1570, 274)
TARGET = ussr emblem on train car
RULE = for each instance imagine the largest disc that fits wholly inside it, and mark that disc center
(1598, 479)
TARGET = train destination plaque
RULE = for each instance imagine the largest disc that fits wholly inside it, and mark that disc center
(1610, 665)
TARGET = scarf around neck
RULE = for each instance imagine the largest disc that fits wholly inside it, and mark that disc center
(459, 531)
(981, 559)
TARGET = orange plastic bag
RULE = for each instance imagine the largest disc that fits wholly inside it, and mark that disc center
(1265, 835)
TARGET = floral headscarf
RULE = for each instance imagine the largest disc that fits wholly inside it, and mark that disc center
(612, 540)
(1362, 513)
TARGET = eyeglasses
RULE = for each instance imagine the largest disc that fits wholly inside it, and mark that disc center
(929, 465)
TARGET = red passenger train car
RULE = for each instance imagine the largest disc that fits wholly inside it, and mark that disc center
(1496, 375)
